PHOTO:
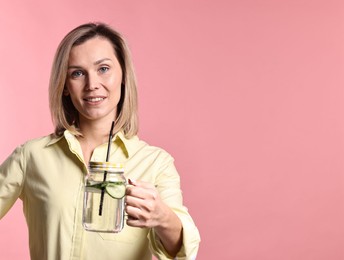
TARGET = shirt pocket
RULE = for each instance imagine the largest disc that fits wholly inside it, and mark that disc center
(127, 235)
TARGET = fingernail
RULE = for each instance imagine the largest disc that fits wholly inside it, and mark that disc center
(132, 181)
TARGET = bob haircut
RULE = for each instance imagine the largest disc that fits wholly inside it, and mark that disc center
(64, 114)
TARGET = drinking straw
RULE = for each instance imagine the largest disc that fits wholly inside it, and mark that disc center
(105, 172)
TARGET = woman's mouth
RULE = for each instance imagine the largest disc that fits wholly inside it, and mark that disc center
(94, 99)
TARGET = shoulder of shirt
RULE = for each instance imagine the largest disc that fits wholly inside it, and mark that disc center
(40, 142)
(135, 145)
(34, 145)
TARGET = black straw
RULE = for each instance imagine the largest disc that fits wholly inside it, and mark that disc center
(105, 172)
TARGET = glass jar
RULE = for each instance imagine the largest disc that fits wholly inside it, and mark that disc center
(103, 209)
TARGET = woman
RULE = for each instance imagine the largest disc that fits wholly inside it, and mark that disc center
(92, 84)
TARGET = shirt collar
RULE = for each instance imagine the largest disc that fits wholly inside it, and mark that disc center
(128, 144)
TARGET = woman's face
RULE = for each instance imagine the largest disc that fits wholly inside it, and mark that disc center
(94, 80)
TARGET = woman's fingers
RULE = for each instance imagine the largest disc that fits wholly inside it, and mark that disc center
(143, 190)
(142, 202)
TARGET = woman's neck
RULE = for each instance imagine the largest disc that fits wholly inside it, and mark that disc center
(93, 135)
(95, 131)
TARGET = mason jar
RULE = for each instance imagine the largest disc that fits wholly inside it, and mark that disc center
(103, 207)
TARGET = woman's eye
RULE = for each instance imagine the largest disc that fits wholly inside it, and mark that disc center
(77, 73)
(103, 69)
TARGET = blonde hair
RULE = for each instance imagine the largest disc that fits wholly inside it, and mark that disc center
(64, 114)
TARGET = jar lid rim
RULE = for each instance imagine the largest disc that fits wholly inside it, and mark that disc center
(106, 164)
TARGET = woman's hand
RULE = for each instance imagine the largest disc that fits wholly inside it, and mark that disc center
(144, 206)
(146, 209)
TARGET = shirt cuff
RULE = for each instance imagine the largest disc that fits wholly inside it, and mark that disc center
(189, 249)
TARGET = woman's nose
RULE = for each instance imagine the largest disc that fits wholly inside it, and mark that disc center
(92, 82)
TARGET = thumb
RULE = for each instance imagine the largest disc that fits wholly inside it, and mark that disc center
(142, 184)
(132, 182)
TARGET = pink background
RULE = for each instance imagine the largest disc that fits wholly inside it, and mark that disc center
(247, 96)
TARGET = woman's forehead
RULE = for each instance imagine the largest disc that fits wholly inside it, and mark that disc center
(93, 50)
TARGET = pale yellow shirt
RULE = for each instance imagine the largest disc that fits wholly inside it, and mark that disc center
(48, 173)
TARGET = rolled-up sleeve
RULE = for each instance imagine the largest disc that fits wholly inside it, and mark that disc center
(11, 180)
(168, 184)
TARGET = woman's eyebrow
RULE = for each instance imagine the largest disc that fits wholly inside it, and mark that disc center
(101, 60)
(95, 63)
(74, 67)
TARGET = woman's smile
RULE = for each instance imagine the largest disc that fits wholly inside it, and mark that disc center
(94, 100)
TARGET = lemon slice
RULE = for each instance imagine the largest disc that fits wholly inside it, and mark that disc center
(115, 189)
